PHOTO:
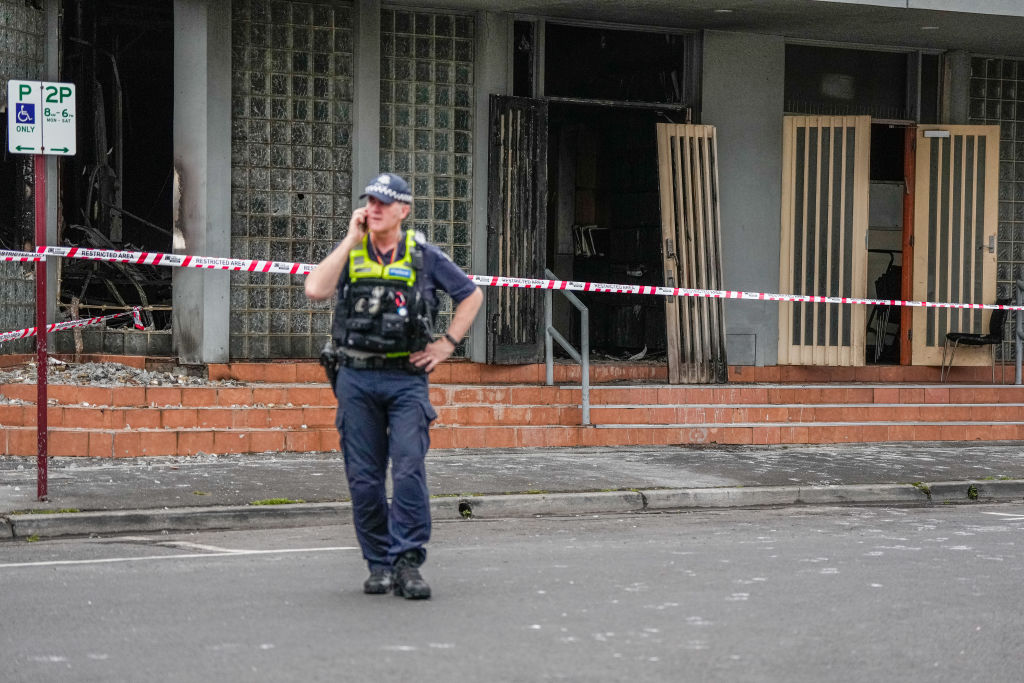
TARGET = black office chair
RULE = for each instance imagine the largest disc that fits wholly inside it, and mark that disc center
(887, 287)
(994, 337)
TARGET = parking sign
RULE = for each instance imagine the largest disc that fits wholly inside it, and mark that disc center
(41, 118)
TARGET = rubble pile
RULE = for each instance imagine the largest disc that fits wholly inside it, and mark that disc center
(105, 375)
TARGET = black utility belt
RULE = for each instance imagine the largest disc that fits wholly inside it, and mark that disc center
(377, 363)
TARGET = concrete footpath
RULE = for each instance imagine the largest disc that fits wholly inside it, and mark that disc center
(102, 496)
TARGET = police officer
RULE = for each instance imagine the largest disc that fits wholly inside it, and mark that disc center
(386, 279)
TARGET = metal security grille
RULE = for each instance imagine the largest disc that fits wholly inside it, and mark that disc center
(291, 170)
(824, 227)
(691, 228)
(954, 235)
(516, 230)
(426, 124)
(997, 98)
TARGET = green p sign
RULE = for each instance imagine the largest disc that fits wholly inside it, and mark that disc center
(41, 118)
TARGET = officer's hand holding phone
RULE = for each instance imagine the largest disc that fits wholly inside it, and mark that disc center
(357, 225)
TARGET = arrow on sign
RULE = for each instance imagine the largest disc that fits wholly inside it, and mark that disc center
(59, 149)
(22, 149)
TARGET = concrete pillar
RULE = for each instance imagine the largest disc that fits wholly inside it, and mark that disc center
(743, 98)
(366, 94)
(202, 177)
(491, 74)
(956, 88)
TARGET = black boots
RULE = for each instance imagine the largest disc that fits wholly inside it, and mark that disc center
(408, 582)
(380, 581)
(405, 580)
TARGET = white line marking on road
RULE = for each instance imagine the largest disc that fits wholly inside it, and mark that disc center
(1010, 516)
(198, 546)
(189, 556)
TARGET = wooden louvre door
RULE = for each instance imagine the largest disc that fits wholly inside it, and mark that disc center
(955, 234)
(516, 227)
(825, 185)
(692, 252)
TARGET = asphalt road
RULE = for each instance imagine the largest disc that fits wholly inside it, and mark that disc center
(795, 594)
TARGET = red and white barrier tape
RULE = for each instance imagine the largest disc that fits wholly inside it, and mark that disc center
(20, 256)
(254, 266)
(135, 313)
(149, 258)
(487, 280)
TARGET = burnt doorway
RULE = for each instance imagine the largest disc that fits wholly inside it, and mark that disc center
(116, 192)
(516, 224)
(604, 223)
(887, 197)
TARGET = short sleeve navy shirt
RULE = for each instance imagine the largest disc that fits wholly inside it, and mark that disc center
(438, 272)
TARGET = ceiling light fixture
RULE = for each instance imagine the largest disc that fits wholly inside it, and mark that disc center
(929, 28)
(723, 11)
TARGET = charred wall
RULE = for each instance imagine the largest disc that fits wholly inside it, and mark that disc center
(116, 192)
(22, 49)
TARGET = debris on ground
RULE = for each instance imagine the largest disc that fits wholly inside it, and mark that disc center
(106, 374)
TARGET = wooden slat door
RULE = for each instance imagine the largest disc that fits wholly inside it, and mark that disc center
(692, 251)
(825, 184)
(955, 233)
(516, 227)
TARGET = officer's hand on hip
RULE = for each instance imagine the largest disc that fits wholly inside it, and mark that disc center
(434, 353)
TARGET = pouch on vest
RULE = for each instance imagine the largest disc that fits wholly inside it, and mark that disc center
(394, 326)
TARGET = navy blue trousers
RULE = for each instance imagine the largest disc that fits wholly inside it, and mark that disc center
(385, 415)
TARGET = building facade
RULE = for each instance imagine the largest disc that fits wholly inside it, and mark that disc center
(530, 136)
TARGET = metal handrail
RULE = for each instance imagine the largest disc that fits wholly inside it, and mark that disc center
(582, 356)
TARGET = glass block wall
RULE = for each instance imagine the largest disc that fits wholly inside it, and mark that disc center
(426, 126)
(997, 97)
(291, 167)
(21, 57)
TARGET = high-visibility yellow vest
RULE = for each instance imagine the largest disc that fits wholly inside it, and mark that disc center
(379, 309)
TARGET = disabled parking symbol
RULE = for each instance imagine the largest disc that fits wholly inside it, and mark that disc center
(25, 113)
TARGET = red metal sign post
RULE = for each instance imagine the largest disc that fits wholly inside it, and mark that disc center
(41, 121)
(42, 363)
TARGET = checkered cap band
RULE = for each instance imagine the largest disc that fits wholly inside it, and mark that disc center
(377, 190)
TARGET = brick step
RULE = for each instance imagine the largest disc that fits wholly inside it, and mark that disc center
(127, 443)
(465, 372)
(660, 415)
(747, 434)
(298, 394)
(891, 374)
(454, 372)
(486, 414)
(171, 417)
(160, 442)
(255, 394)
(490, 414)
(314, 417)
(276, 395)
(787, 394)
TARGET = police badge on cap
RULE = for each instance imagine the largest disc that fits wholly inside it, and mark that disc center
(388, 188)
